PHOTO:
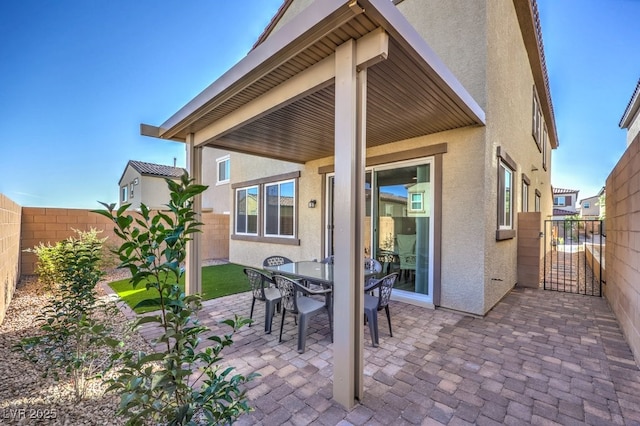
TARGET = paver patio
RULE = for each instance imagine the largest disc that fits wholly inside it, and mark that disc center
(537, 358)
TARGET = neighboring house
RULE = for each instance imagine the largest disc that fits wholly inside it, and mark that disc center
(564, 203)
(631, 118)
(145, 183)
(590, 207)
(217, 175)
(339, 98)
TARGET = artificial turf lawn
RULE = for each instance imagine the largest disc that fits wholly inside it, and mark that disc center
(217, 281)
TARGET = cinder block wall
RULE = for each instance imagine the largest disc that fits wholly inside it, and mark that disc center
(622, 252)
(9, 251)
(50, 225)
(215, 236)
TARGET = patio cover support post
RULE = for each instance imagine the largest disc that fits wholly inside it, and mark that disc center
(350, 122)
(193, 267)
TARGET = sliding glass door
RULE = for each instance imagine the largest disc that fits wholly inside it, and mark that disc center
(398, 223)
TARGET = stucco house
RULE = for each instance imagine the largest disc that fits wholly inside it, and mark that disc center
(631, 117)
(564, 203)
(444, 105)
(143, 182)
(590, 207)
(216, 175)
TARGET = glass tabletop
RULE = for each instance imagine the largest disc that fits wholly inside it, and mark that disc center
(314, 271)
(309, 270)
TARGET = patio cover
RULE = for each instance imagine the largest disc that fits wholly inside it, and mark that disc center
(339, 77)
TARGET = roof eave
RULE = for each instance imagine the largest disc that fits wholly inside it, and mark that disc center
(632, 109)
(527, 13)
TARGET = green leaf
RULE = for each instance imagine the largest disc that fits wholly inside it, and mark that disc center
(157, 302)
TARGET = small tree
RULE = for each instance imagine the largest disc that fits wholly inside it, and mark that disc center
(73, 340)
(180, 380)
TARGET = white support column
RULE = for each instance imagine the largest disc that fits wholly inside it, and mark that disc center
(350, 109)
(193, 267)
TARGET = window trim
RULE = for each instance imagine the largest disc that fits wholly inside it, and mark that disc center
(261, 183)
(264, 216)
(235, 211)
(536, 119)
(505, 232)
(537, 201)
(544, 147)
(124, 193)
(226, 158)
(525, 193)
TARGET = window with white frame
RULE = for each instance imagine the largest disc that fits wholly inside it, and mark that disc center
(246, 218)
(544, 147)
(131, 190)
(505, 197)
(223, 166)
(525, 193)
(537, 201)
(536, 120)
(417, 202)
(124, 194)
(279, 209)
(266, 209)
(586, 205)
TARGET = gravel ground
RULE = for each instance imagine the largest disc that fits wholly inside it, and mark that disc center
(25, 396)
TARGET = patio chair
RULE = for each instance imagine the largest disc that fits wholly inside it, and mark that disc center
(374, 266)
(328, 259)
(262, 289)
(406, 244)
(276, 261)
(295, 299)
(373, 304)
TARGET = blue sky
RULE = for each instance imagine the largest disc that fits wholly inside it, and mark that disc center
(78, 77)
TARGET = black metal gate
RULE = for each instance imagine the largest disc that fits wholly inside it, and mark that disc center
(574, 253)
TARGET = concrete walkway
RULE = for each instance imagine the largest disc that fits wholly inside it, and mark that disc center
(537, 358)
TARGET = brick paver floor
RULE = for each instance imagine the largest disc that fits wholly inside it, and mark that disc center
(537, 358)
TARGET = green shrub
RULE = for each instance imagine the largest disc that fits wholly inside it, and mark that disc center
(72, 340)
(179, 381)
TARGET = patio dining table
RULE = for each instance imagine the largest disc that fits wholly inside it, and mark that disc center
(315, 272)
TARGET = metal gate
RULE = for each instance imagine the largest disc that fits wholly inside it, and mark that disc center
(574, 252)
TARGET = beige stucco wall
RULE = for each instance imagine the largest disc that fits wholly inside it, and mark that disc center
(456, 33)
(150, 190)
(217, 197)
(594, 207)
(296, 7)
(129, 175)
(634, 128)
(10, 251)
(509, 123)
(153, 192)
(622, 252)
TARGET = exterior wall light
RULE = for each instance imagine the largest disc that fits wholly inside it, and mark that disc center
(312, 204)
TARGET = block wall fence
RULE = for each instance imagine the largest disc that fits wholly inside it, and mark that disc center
(622, 252)
(49, 225)
(10, 219)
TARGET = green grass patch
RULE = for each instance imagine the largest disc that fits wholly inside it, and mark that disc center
(217, 281)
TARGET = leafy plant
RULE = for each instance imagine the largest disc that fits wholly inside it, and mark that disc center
(73, 340)
(179, 381)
